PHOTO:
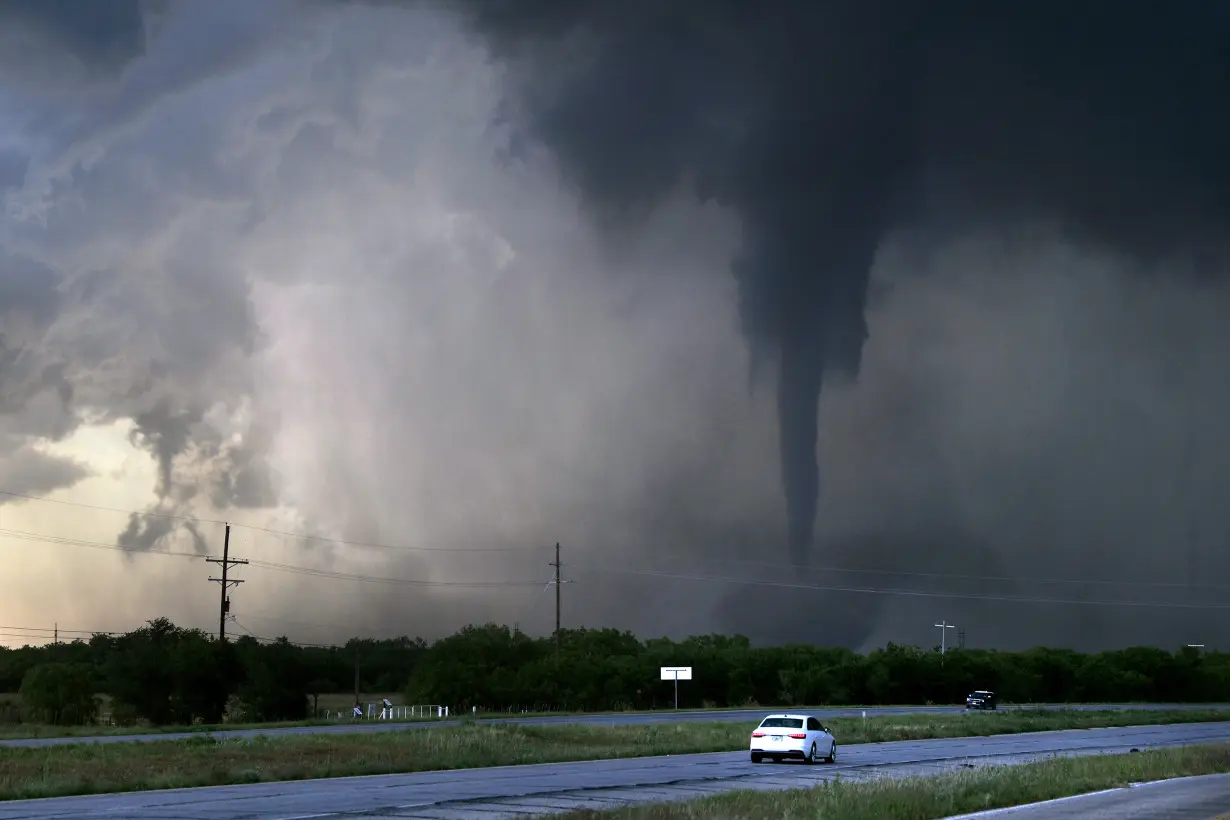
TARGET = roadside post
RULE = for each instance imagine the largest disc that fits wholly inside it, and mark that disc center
(676, 673)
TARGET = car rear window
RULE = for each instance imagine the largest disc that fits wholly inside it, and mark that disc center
(782, 723)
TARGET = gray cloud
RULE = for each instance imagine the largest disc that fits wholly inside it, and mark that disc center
(12, 168)
(829, 126)
(25, 470)
(29, 294)
(359, 262)
(35, 396)
(50, 40)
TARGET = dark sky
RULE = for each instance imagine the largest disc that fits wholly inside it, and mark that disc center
(827, 126)
(503, 273)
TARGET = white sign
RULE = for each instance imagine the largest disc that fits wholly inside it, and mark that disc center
(676, 673)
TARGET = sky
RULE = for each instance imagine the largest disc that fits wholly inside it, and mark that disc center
(409, 294)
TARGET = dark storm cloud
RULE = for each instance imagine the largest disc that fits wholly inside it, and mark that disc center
(829, 124)
(13, 166)
(30, 300)
(87, 39)
(103, 34)
(28, 291)
(453, 360)
(144, 532)
(166, 431)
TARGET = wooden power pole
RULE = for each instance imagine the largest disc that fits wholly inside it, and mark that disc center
(558, 583)
(227, 562)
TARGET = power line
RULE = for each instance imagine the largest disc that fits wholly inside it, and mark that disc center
(27, 638)
(376, 545)
(30, 633)
(321, 573)
(90, 632)
(660, 553)
(291, 621)
(1017, 579)
(20, 535)
(147, 513)
(377, 579)
(331, 574)
(299, 535)
(314, 624)
(262, 639)
(336, 628)
(26, 630)
(270, 565)
(909, 593)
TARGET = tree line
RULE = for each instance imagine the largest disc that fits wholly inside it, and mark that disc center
(166, 675)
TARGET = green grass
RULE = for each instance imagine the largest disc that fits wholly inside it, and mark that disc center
(329, 702)
(335, 702)
(204, 761)
(925, 798)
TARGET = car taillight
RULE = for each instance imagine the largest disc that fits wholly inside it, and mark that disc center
(757, 734)
(798, 736)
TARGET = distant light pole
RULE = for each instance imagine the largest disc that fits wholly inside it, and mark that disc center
(944, 626)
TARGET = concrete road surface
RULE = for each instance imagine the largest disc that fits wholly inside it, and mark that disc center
(517, 791)
(1187, 798)
(620, 719)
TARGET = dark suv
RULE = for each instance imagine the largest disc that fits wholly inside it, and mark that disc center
(980, 699)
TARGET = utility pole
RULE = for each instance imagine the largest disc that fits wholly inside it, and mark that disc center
(356, 673)
(944, 626)
(57, 633)
(557, 564)
(960, 638)
(227, 562)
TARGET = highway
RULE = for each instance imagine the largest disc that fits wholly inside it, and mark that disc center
(518, 791)
(1184, 798)
(618, 719)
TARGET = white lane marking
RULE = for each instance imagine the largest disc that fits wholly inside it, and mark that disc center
(1025, 806)
(1012, 809)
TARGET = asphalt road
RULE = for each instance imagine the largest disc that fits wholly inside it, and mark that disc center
(621, 719)
(518, 791)
(1186, 798)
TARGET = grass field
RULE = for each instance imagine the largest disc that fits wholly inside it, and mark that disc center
(926, 798)
(204, 761)
(334, 703)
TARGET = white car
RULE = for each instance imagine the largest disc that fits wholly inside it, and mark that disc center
(799, 737)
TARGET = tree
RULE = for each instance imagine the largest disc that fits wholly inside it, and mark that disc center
(204, 672)
(139, 674)
(275, 685)
(61, 694)
(164, 674)
(167, 675)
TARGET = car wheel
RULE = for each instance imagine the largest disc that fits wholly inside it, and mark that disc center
(757, 758)
(832, 758)
(813, 757)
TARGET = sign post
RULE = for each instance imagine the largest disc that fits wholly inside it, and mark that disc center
(676, 673)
